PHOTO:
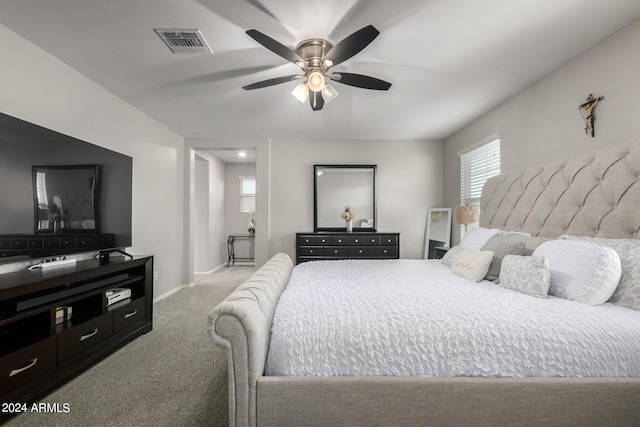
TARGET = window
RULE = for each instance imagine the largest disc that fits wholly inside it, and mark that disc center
(247, 194)
(477, 164)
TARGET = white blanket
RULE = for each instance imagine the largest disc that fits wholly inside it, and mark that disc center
(415, 318)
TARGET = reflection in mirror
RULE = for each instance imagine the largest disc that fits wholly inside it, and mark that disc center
(65, 198)
(339, 186)
(438, 231)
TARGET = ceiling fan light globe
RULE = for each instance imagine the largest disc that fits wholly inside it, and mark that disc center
(329, 93)
(316, 82)
(301, 92)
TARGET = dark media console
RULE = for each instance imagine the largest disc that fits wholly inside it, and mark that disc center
(40, 350)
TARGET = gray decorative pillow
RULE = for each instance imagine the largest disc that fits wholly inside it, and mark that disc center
(530, 275)
(500, 248)
(452, 254)
(627, 294)
(530, 242)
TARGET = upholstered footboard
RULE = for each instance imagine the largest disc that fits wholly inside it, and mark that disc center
(241, 325)
(453, 402)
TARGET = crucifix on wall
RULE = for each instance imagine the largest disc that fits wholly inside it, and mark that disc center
(587, 110)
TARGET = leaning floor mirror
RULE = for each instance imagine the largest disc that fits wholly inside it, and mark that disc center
(438, 231)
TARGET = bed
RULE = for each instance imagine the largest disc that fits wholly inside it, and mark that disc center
(586, 202)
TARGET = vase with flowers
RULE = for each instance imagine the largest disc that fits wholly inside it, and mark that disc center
(251, 227)
(349, 216)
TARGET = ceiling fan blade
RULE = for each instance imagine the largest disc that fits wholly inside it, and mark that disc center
(316, 100)
(361, 81)
(271, 82)
(275, 46)
(351, 45)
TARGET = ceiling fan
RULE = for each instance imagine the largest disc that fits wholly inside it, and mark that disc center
(315, 57)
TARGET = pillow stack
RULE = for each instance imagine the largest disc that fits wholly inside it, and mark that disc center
(583, 269)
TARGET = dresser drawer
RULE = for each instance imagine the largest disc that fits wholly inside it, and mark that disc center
(323, 240)
(128, 314)
(356, 240)
(336, 251)
(339, 240)
(306, 240)
(385, 251)
(21, 366)
(83, 336)
(310, 251)
(360, 252)
(388, 240)
(372, 240)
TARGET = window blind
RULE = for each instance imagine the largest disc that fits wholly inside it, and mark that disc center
(247, 194)
(476, 166)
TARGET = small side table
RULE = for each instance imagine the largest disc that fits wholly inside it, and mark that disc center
(439, 251)
(231, 240)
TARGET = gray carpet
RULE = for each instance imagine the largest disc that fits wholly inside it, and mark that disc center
(172, 376)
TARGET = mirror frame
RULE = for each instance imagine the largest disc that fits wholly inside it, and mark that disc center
(317, 228)
(95, 196)
(427, 240)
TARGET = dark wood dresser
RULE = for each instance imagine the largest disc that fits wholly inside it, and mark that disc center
(342, 245)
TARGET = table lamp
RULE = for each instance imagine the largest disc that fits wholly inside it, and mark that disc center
(467, 214)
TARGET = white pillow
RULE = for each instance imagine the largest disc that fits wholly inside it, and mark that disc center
(472, 265)
(581, 271)
(627, 293)
(530, 275)
(477, 237)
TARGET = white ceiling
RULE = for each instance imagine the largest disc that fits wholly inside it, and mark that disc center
(450, 61)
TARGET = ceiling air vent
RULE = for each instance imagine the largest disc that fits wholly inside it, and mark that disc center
(183, 41)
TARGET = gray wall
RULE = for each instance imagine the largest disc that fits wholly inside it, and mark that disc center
(210, 250)
(543, 122)
(409, 182)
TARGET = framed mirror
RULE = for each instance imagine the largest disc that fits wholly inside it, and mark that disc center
(339, 186)
(438, 231)
(65, 199)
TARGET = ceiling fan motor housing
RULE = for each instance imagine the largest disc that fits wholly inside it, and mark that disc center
(312, 51)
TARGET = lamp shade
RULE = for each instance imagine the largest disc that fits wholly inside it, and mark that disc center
(467, 214)
(329, 93)
(315, 81)
(301, 92)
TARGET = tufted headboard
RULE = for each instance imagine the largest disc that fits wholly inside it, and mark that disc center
(592, 194)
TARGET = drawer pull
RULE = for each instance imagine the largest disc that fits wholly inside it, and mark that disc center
(133, 313)
(89, 335)
(31, 364)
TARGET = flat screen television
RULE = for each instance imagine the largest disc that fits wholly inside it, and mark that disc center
(53, 185)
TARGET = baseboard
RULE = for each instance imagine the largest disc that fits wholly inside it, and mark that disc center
(167, 294)
(188, 285)
(212, 270)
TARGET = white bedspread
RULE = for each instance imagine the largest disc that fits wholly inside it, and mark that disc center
(415, 318)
